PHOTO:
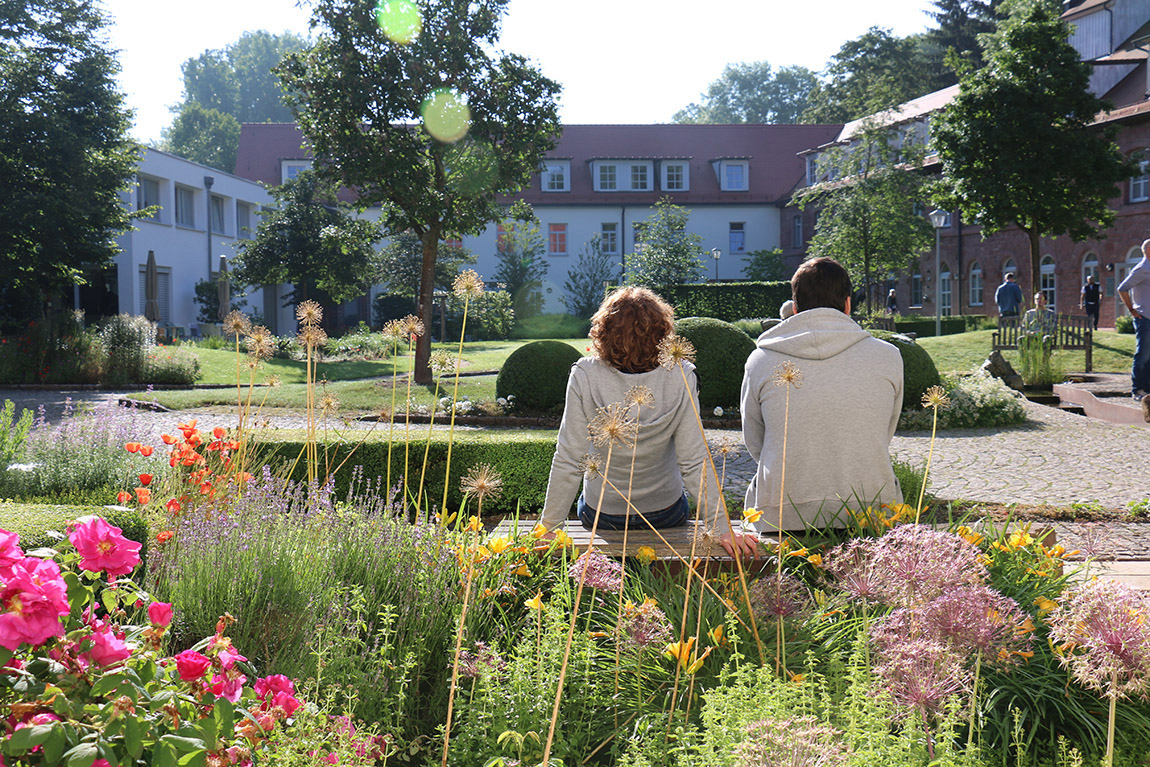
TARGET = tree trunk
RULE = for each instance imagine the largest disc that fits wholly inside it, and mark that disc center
(430, 240)
(1035, 256)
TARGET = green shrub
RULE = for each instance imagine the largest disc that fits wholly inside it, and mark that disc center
(490, 316)
(551, 326)
(924, 326)
(13, 432)
(721, 351)
(1124, 324)
(128, 339)
(729, 301)
(360, 343)
(752, 327)
(173, 365)
(975, 400)
(33, 521)
(536, 374)
(59, 350)
(918, 370)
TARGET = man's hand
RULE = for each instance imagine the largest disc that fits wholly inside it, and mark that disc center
(739, 545)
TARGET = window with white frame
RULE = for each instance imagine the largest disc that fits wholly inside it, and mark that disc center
(640, 177)
(556, 176)
(609, 238)
(452, 241)
(737, 237)
(945, 291)
(244, 221)
(606, 178)
(217, 214)
(916, 290)
(733, 176)
(812, 170)
(1048, 281)
(185, 206)
(163, 292)
(147, 193)
(975, 285)
(1090, 268)
(289, 169)
(1009, 268)
(1140, 184)
(675, 177)
(636, 236)
(557, 239)
(797, 230)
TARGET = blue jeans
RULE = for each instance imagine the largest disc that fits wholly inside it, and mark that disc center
(1140, 370)
(674, 515)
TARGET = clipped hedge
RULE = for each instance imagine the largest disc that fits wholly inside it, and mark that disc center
(536, 375)
(721, 351)
(918, 369)
(522, 458)
(730, 301)
(925, 327)
(32, 521)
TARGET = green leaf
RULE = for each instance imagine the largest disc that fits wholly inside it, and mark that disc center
(195, 759)
(165, 755)
(133, 739)
(107, 684)
(110, 599)
(81, 756)
(54, 746)
(29, 737)
(207, 728)
(184, 744)
(78, 593)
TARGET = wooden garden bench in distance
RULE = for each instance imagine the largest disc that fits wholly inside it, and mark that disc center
(1070, 332)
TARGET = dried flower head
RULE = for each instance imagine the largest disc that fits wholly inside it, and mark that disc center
(639, 396)
(441, 362)
(328, 404)
(592, 465)
(597, 571)
(775, 596)
(309, 313)
(482, 481)
(236, 323)
(392, 331)
(613, 424)
(644, 625)
(272, 381)
(675, 350)
(412, 327)
(935, 397)
(728, 448)
(467, 284)
(788, 374)
(922, 674)
(312, 336)
(1101, 633)
(792, 742)
(260, 347)
(851, 568)
(260, 333)
(914, 564)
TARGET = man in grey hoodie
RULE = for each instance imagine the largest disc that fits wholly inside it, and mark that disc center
(836, 392)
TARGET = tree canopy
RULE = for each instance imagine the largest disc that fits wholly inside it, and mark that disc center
(204, 135)
(1017, 145)
(311, 241)
(666, 254)
(960, 25)
(65, 154)
(522, 265)
(753, 93)
(401, 262)
(371, 105)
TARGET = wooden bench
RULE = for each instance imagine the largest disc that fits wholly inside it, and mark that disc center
(1070, 332)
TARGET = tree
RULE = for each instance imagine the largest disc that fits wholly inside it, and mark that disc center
(753, 93)
(875, 72)
(65, 154)
(223, 88)
(203, 135)
(359, 99)
(586, 280)
(666, 255)
(401, 262)
(866, 217)
(1017, 146)
(313, 242)
(960, 24)
(765, 265)
(522, 266)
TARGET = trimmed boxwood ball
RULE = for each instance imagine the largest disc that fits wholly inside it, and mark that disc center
(918, 370)
(536, 374)
(721, 351)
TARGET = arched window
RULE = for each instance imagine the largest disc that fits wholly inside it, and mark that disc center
(1140, 182)
(1009, 266)
(1047, 282)
(975, 285)
(1090, 267)
(944, 291)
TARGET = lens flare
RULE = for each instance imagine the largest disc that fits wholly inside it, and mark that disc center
(399, 20)
(446, 116)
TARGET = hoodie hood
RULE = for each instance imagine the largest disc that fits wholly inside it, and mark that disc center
(816, 334)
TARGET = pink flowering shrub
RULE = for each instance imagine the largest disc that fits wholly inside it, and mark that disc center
(84, 676)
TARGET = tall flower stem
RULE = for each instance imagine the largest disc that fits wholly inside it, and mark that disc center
(1109, 762)
(780, 631)
(935, 397)
(407, 415)
(427, 446)
(391, 416)
(470, 554)
(454, 398)
(687, 596)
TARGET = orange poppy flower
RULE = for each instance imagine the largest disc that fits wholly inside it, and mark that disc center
(219, 432)
(206, 488)
(143, 495)
(146, 450)
(168, 439)
(173, 505)
(123, 496)
(132, 447)
(145, 479)
(164, 537)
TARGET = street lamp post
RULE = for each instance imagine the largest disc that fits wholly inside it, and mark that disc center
(715, 253)
(938, 218)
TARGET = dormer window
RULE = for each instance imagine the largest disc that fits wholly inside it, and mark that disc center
(623, 175)
(675, 176)
(640, 177)
(556, 176)
(733, 175)
(606, 178)
(289, 169)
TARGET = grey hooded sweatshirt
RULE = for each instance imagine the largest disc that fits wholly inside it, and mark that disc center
(670, 452)
(842, 414)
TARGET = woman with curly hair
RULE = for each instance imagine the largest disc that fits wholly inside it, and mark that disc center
(621, 395)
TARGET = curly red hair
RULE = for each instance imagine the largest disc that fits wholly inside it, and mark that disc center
(627, 329)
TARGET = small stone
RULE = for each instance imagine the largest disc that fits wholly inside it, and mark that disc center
(997, 366)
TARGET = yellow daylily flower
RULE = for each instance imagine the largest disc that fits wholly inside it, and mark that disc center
(970, 536)
(1020, 539)
(521, 570)
(536, 602)
(473, 524)
(680, 651)
(498, 544)
(816, 560)
(752, 515)
(798, 552)
(1044, 604)
(563, 539)
(697, 663)
(646, 554)
(717, 636)
(538, 531)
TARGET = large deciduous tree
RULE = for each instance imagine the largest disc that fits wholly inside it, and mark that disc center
(401, 262)
(753, 93)
(867, 219)
(203, 135)
(65, 154)
(1017, 145)
(310, 240)
(666, 254)
(359, 98)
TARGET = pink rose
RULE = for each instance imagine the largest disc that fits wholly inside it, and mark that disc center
(228, 686)
(270, 685)
(228, 657)
(10, 552)
(34, 597)
(101, 763)
(288, 702)
(44, 718)
(103, 547)
(107, 648)
(160, 614)
(192, 665)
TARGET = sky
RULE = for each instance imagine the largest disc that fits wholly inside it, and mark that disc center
(619, 61)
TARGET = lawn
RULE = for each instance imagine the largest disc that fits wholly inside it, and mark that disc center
(963, 352)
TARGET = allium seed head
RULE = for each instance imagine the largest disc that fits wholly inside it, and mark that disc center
(922, 674)
(788, 374)
(935, 397)
(914, 564)
(773, 596)
(640, 396)
(613, 424)
(675, 350)
(644, 625)
(412, 326)
(602, 572)
(467, 284)
(236, 323)
(309, 313)
(482, 481)
(441, 362)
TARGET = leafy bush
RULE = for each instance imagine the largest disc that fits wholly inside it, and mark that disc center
(128, 340)
(490, 316)
(536, 375)
(389, 306)
(362, 343)
(978, 399)
(729, 301)
(13, 432)
(752, 327)
(58, 350)
(721, 351)
(923, 327)
(551, 326)
(585, 280)
(1124, 324)
(173, 365)
(918, 370)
